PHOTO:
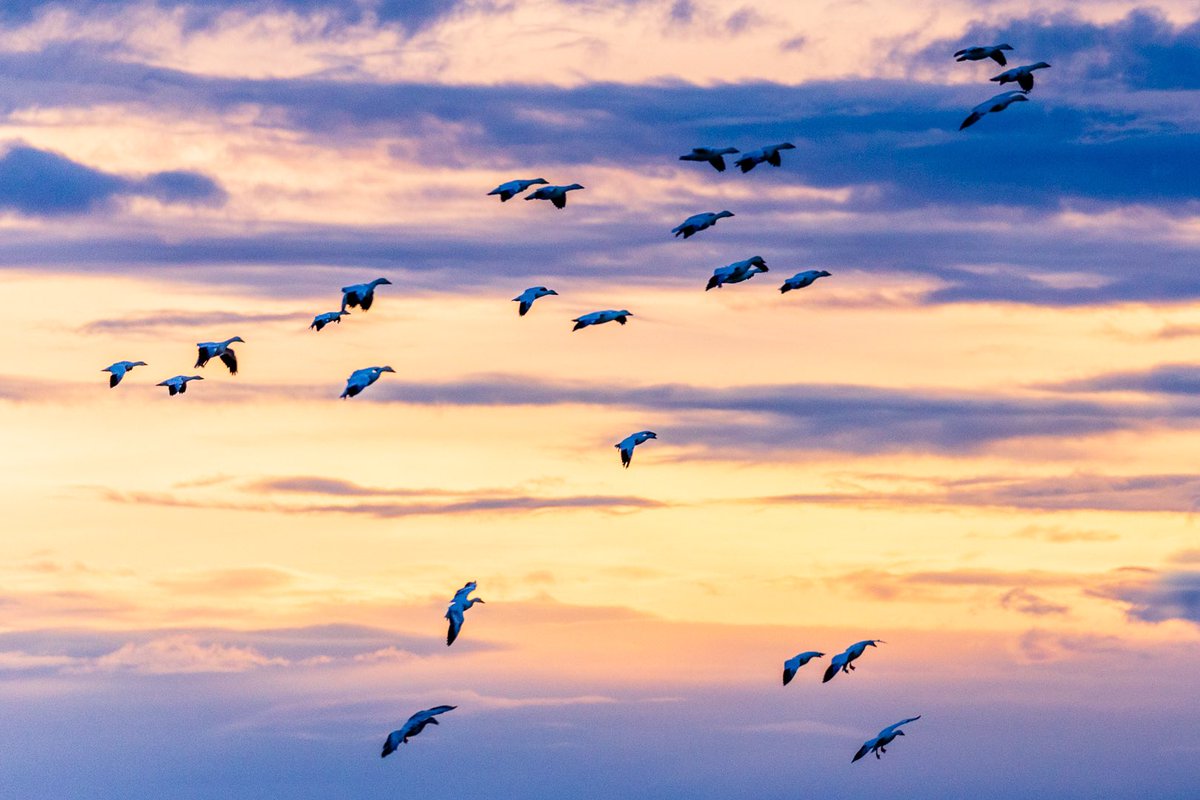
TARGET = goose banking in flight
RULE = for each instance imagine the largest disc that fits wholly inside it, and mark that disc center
(884, 738)
(117, 371)
(457, 608)
(793, 664)
(601, 317)
(362, 378)
(736, 272)
(411, 727)
(768, 154)
(527, 297)
(511, 189)
(321, 320)
(221, 350)
(631, 441)
(844, 661)
(992, 105)
(698, 222)
(802, 279)
(362, 294)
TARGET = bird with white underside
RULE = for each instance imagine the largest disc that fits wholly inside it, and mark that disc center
(527, 297)
(178, 384)
(631, 441)
(362, 378)
(361, 295)
(321, 320)
(712, 155)
(736, 272)
(802, 279)
(117, 371)
(882, 739)
(844, 661)
(1021, 76)
(601, 317)
(763, 155)
(992, 105)
(793, 664)
(698, 222)
(980, 52)
(511, 189)
(555, 194)
(411, 727)
(221, 350)
(455, 612)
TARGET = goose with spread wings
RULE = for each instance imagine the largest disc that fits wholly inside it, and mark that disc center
(527, 297)
(980, 52)
(793, 664)
(992, 105)
(631, 441)
(221, 350)
(118, 370)
(178, 384)
(511, 189)
(412, 726)
(555, 194)
(321, 320)
(1021, 76)
(361, 294)
(361, 379)
(768, 155)
(456, 610)
(885, 737)
(844, 661)
(698, 222)
(713, 155)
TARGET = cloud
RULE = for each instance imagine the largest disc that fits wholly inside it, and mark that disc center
(181, 654)
(1152, 596)
(1169, 379)
(157, 320)
(41, 183)
(1042, 646)
(1022, 600)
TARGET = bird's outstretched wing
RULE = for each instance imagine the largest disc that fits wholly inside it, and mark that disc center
(202, 356)
(560, 200)
(1025, 81)
(862, 751)
(788, 674)
(830, 671)
(892, 728)
(626, 455)
(455, 617)
(718, 163)
(971, 120)
(367, 299)
(229, 359)
(999, 58)
(113, 380)
(523, 309)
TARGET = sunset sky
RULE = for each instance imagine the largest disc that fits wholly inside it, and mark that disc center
(977, 440)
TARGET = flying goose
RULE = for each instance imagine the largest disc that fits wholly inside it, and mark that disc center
(321, 320)
(736, 272)
(511, 189)
(457, 608)
(994, 52)
(713, 155)
(793, 664)
(698, 222)
(844, 661)
(362, 294)
(555, 194)
(1022, 76)
(178, 384)
(768, 154)
(117, 371)
(527, 297)
(601, 317)
(631, 441)
(884, 738)
(412, 726)
(221, 350)
(802, 279)
(994, 104)
(362, 378)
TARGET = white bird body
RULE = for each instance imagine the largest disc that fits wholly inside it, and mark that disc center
(457, 609)
(117, 370)
(736, 272)
(555, 194)
(527, 297)
(883, 739)
(802, 279)
(793, 664)
(178, 384)
(631, 441)
(1022, 76)
(712, 155)
(992, 105)
(768, 154)
(361, 294)
(511, 189)
(698, 222)
(221, 350)
(321, 320)
(844, 661)
(978, 53)
(601, 317)
(412, 726)
(362, 378)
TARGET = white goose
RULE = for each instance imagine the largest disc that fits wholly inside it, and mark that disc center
(178, 384)
(768, 154)
(456, 610)
(1022, 76)
(736, 272)
(411, 727)
(362, 294)
(992, 105)
(555, 194)
(793, 664)
(713, 155)
(321, 320)
(844, 661)
(601, 317)
(527, 297)
(978, 53)
(362, 378)
(631, 441)
(802, 279)
(221, 350)
(511, 189)
(117, 370)
(698, 222)
(883, 739)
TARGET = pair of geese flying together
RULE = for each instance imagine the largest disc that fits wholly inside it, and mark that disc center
(555, 194)
(740, 271)
(716, 156)
(842, 662)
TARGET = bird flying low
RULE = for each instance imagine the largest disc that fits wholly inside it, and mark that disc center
(412, 726)
(457, 608)
(994, 52)
(178, 384)
(802, 279)
(601, 317)
(736, 272)
(321, 320)
(527, 297)
(768, 154)
(1022, 76)
(362, 378)
(362, 294)
(713, 155)
(511, 189)
(631, 441)
(698, 222)
(117, 370)
(884, 738)
(844, 661)
(793, 664)
(221, 350)
(991, 105)
(555, 194)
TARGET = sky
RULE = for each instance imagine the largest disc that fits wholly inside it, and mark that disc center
(975, 440)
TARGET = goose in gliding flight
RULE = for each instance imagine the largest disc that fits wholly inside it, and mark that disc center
(994, 52)
(713, 155)
(802, 279)
(736, 272)
(884, 738)
(992, 105)
(1022, 76)
(793, 664)
(178, 384)
(362, 378)
(698, 222)
(555, 194)
(527, 297)
(221, 350)
(362, 294)
(768, 154)
(117, 371)
(456, 610)
(321, 320)
(511, 189)
(601, 317)
(411, 727)
(631, 441)
(844, 661)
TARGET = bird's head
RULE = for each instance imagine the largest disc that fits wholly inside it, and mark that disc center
(573, 186)
(538, 180)
(757, 261)
(550, 291)
(1004, 47)
(386, 369)
(195, 378)
(823, 274)
(899, 733)
(724, 214)
(1040, 65)
(651, 435)
(237, 339)
(785, 146)
(624, 313)
(381, 282)
(138, 364)
(341, 313)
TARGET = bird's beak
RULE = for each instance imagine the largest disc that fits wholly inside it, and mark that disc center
(553, 292)
(387, 369)
(480, 600)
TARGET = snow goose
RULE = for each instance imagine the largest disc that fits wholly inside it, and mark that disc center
(768, 154)
(736, 272)
(844, 661)
(1022, 76)
(321, 320)
(221, 350)
(457, 608)
(601, 317)
(511, 189)
(117, 371)
(178, 384)
(527, 297)
(992, 105)
(412, 726)
(555, 194)
(802, 279)
(793, 664)
(994, 52)
(362, 294)
(884, 738)
(362, 378)
(713, 155)
(698, 222)
(631, 441)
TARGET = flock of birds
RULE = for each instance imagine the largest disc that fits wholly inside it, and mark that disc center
(362, 296)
